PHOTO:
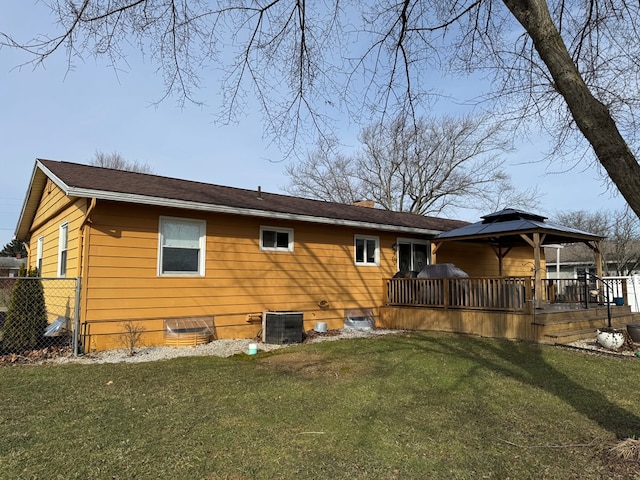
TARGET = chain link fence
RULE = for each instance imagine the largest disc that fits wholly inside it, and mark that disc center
(38, 313)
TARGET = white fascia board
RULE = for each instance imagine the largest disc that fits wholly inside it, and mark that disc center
(63, 186)
(206, 207)
(28, 206)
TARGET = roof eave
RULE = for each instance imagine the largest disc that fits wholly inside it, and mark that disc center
(31, 200)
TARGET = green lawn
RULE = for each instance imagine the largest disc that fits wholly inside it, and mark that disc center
(402, 406)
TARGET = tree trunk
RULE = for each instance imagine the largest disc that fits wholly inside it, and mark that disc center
(591, 116)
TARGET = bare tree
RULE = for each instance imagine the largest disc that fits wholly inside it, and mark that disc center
(621, 229)
(597, 221)
(424, 166)
(626, 242)
(571, 64)
(117, 162)
(326, 174)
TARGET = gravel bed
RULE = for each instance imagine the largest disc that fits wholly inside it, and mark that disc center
(218, 348)
(592, 346)
(227, 348)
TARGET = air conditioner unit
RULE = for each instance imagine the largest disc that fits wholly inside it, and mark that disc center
(282, 327)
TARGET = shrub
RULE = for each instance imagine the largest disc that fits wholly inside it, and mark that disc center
(26, 318)
(131, 336)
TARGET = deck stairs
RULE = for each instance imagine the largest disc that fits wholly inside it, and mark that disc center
(560, 325)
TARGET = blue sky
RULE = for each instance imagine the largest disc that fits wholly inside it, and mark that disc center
(57, 114)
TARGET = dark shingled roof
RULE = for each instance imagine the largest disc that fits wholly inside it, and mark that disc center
(507, 225)
(119, 185)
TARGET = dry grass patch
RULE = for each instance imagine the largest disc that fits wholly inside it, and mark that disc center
(627, 450)
(312, 365)
(623, 459)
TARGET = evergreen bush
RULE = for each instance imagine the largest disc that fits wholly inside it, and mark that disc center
(26, 318)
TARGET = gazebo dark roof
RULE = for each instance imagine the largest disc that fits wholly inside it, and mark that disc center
(507, 226)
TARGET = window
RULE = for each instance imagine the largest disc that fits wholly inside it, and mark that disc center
(276, 239)
(367, 250)
(63, 239)
(39, 255)
(412, 254)
(182, 246)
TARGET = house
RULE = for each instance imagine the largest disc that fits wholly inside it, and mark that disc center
(618, 258)
(620, 265)
(152, 250)
(10, 266)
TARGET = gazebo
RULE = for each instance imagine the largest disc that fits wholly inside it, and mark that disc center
(510, 228)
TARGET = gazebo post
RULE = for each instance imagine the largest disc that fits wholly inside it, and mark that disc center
(536, 244)
(598, 252)
(536, 273)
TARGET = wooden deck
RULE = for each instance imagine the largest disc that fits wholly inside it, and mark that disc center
(498, 308)
(547, 325)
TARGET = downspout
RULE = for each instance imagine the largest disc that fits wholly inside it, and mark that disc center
(27, 247)
(83, 253)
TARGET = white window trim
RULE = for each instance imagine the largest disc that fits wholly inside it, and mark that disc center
(202, 246)
(376, 255)
(39, 253)
(64, 227)
(288, 231)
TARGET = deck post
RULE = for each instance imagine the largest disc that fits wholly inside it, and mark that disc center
(447, 289)
(385, 291)
(528, 295)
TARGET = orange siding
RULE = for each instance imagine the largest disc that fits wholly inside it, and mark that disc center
(480, 260)
(54, 210)
(123, 284)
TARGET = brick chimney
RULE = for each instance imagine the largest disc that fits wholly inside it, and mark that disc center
(365, 203)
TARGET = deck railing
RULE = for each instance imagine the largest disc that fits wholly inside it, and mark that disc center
(566, 290)
(574, 290)
(499, 293)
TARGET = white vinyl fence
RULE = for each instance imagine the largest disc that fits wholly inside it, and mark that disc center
(633, 290)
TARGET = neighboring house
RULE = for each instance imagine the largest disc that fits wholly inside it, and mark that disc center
(564, 261)
(10, 266)
(148, 249)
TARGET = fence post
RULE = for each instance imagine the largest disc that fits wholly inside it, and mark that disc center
(76, 316)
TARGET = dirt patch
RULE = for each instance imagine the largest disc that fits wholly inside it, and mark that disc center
(35, 356)
(311, 365)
